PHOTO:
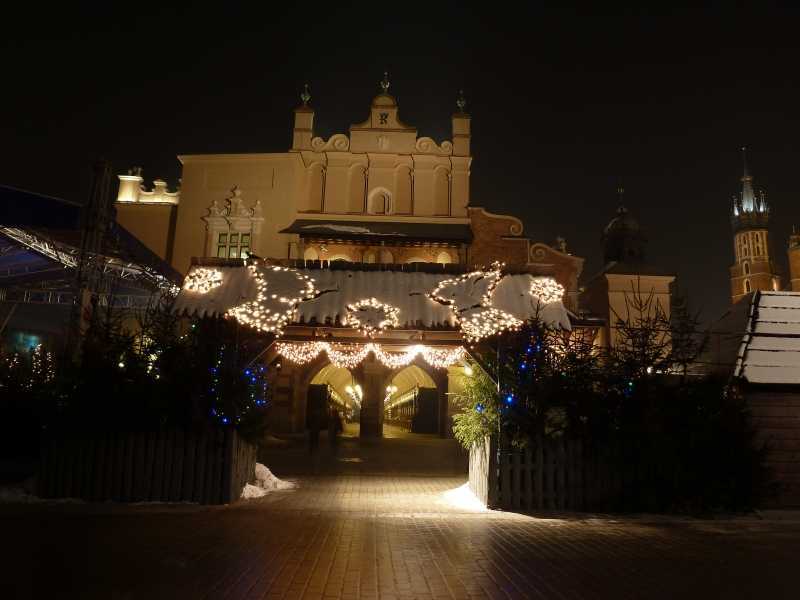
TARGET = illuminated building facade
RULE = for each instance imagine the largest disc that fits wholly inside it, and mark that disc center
(753, 269)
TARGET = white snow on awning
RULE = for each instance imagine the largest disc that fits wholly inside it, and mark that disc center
(770, 349)
(404, 290)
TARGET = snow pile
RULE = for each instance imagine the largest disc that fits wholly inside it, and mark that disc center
(15, 495)
(462, 498)
(267, 481)
(251, 491)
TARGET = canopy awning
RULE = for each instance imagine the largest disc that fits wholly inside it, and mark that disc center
(336, 289)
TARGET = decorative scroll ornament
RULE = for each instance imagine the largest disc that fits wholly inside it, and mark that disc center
(349, 356)
(203, 280)
(470, 298)
(371, 316)
(279, 291)
(426, 145)
(546, 290)
(338, 142)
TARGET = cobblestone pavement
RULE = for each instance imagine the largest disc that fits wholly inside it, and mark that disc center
(398, 536)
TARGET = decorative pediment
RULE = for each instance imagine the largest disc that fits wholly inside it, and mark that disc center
(234, 207)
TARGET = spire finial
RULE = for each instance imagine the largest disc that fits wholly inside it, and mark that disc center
(621, 194)
(385, 82)
(305, 95)
(461, 102)
(744, 161)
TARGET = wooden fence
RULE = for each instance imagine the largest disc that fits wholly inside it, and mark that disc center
(549, 475)
(164, 466)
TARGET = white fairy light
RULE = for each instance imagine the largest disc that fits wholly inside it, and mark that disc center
(203, 280)
(279, 291)
(469, 296)
(371, 316)
(349, 356)
(547, 290)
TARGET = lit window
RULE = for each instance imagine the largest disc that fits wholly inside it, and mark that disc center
(233, 245)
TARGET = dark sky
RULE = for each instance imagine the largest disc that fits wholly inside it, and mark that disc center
(564, 105)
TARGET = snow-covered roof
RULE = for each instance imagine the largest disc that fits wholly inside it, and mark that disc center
(398, 231)
(770, 349)
(407, 291)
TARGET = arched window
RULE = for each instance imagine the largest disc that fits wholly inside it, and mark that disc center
(369, 256)
(311, 254)
(387, 257)
(444, 258)
(380, 202)
(747, 289)
(746, 267)
(343, 257)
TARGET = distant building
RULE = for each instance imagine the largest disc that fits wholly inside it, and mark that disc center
(626, 280)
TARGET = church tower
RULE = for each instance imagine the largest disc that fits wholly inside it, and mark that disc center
(753, 268)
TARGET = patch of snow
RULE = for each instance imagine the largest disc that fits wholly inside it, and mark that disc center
(463, 498)
(251, 491)
(349, 229)
(267, 481)
(16, 495)
(340, 228)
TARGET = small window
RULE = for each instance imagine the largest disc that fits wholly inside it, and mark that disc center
(222, 251)
(746, 267)
(747, 286)
(234, 238)
(233, 252)
(243, 250)
(223, 238)
(245, 239)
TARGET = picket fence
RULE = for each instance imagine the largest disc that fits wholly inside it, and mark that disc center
(549, 475)
(164, 466)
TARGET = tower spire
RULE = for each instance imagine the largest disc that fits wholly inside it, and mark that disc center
(744, 162)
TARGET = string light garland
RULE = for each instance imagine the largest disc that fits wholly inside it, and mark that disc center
(546, 290)
(203, 280)
(279, 291)
(469, 296)
(371, 316)
(349, 356)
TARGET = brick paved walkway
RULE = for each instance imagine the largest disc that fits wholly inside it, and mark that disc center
(357, 535)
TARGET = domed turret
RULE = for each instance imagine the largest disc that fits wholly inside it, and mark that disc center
(623, 240)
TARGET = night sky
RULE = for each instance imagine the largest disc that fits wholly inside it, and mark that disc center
(564, 106)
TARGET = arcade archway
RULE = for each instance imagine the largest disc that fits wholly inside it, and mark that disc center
(412, 402)
(338, 389)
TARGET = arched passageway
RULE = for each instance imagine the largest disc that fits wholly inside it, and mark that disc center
(412, 401)
(336, 388)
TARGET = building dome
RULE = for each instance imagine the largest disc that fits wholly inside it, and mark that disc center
(623, 240)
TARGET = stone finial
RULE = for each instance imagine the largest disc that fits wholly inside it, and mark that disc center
(561, 244)
(305, 95)
(385, 82)
(461, 102)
